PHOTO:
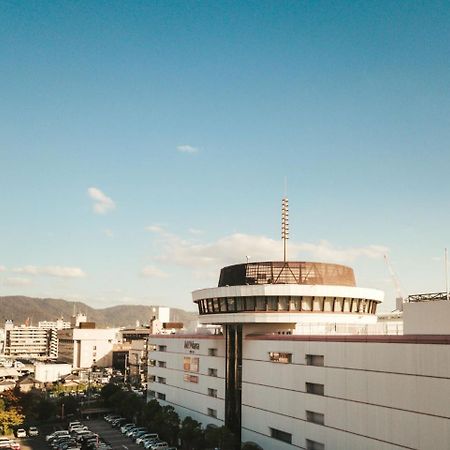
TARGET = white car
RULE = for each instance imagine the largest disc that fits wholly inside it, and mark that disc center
(56, 434)
(33, 431)
(21, 433)
(4, 442)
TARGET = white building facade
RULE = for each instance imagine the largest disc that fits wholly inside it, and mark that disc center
(273, 383)
(29, 342)
(87, 347)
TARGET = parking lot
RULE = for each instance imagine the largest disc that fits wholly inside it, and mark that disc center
(111, 435)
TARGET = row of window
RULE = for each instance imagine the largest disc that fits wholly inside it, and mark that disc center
(286, 303)
(284, 436)
(286, 358)
(160, 396)
(163, 348)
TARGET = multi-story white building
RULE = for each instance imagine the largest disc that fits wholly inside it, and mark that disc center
(58, 324)
(30, 342)
(273, 382)
(87, 347)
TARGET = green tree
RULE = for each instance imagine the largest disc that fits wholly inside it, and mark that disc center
(191, 434)
(220, 437)
(169, 425)
(151, 415)
(108, 391)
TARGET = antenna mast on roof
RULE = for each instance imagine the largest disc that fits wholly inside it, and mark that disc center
(285, 221)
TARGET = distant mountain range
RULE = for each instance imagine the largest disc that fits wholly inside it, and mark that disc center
(20, 308)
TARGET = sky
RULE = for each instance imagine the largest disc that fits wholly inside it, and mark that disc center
(144, 145)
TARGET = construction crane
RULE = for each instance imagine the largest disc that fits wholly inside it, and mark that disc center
(400, 298)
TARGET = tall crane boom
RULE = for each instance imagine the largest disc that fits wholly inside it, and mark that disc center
(400, 299)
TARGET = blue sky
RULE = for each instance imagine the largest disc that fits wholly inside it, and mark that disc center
(183, 118)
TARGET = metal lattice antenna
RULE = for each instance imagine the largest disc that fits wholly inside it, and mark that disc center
(285, 225)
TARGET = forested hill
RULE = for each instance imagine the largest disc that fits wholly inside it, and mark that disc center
(20, 308)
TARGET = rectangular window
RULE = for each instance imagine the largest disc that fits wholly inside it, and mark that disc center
(212, 372)
(315, 417)
(240, 304)
(161, 380)
(188, 378)
(278, 357)
(315, 388)
(151, 394)
(260, 303)
(314, 360)
(152, 378)
(223, 304)
(281, 435)
(212, 351)
(162, 364)
(212, 392)
(212, 412)
(272, 303)
(313, 445)
(191, 364)
(162, 348)
(283, 304)
(160, 396)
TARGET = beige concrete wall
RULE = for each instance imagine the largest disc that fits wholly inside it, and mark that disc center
(427, 317)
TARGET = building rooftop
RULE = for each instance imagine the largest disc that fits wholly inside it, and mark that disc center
(289, 272)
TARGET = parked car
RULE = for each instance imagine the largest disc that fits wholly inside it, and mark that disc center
(160, 446)
(140, 439)
(33, 431)
(149, 442)
(73, 425)
(126, 426)
(4, 442)
(54, 435)
(21, 433)
(135, 433)
(13, 445)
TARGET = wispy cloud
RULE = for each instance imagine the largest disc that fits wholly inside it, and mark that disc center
(52, 271)
(102, 203)
(234, 248)
(16, 281)
(187, 149)
(153, 272)
(154, 229)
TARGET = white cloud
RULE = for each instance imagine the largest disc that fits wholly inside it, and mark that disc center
(154, 229)
(102, 203)
(53, 271)
(16, 281)
(2, 268)
(187, 149)
(153, 272)
(234, 248)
